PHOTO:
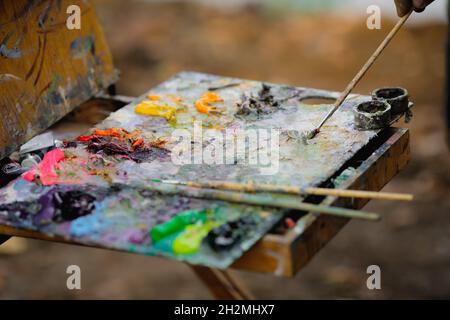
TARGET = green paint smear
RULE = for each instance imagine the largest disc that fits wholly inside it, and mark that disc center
(344, 176)
(179, 222)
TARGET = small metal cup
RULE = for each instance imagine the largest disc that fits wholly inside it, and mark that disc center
(371, 115)
(397, 97)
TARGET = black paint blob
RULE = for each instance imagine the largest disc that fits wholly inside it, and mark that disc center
(262, 104)
(72, 204)
(228, 234)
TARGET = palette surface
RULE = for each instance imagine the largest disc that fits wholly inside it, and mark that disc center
(94, 189)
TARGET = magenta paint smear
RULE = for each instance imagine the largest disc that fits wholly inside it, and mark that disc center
(46, 168)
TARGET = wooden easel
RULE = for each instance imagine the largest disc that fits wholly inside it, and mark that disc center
(32, 84)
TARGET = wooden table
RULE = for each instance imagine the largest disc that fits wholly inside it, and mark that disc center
(286, 254)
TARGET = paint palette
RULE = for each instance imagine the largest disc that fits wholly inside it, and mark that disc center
(95, 189)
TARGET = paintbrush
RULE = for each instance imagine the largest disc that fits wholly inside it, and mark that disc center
(312, 133)
(252, 188)
(268, 200)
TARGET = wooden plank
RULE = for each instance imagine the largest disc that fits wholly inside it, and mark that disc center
(46, 70)
(11, 231)
(285, 255)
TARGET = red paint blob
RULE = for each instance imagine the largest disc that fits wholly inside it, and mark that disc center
(85, 138)
(289, 223)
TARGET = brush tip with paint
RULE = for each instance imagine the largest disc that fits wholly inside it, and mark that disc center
(310, 134)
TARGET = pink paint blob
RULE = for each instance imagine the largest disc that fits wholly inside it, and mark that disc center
(30, 174)
(46, 168)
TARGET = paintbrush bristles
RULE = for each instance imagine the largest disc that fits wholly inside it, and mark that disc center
(308, 135)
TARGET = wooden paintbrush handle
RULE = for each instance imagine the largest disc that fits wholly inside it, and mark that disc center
(254, 188)
(366, 67)
(359, 194)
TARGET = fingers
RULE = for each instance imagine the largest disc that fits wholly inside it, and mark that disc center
(420, 5)
(404, 6)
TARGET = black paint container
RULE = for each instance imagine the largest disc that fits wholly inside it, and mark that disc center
(396, 97)
(371, 115)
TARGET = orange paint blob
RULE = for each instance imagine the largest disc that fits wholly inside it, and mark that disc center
(138, 143)
(112, 132)
(153, 97)
(203, 105)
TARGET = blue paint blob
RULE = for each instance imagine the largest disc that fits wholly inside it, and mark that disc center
(82, 46)
(86, 225)
(13, 53)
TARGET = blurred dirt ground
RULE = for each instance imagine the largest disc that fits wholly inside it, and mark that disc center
(151, 42)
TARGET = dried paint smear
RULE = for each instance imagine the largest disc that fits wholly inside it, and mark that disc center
(93, 190)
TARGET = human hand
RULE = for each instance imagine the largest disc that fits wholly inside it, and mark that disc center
(405, 6)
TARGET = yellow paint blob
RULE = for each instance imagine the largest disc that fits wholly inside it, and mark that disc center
(190, 240)
(151, 108)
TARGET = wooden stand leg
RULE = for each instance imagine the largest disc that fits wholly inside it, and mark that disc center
(222, 284)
